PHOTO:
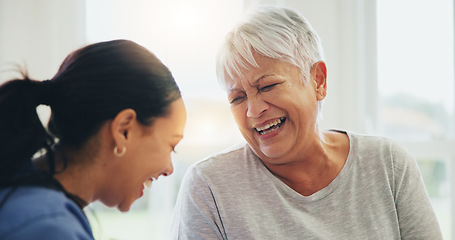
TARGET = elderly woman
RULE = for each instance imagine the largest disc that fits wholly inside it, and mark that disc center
(291, 180)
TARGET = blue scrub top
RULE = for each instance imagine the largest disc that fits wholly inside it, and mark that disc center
(41, 213)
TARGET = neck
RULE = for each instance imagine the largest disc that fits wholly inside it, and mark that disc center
(314, 170)
(74, 178)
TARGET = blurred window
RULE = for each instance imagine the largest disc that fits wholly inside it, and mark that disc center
(416, 91)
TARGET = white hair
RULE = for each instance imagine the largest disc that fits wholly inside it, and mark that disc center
(275, 32)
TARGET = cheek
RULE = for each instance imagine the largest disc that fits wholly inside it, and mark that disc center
(239, 115)
(158, 157)
(143, 161)
(160, 161)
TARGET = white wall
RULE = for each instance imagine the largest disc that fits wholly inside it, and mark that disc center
(38, 34)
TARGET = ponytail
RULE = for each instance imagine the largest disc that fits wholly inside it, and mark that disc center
(21, 131)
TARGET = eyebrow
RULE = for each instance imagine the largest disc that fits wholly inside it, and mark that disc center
(255, 82)
(264, 76)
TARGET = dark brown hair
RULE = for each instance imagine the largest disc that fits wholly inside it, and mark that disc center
(92, 85)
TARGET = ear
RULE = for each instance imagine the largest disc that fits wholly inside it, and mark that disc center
(122, 125)
(319, 75)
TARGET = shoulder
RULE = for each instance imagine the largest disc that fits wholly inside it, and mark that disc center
(223, 168)
(230, 158)
(33, 210)
(377, 145)
(382, 153)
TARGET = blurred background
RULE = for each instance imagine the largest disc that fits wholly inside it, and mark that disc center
(390, 72)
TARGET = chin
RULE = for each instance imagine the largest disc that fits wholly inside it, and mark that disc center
(271, 153)
(124, 207)
(273, 157)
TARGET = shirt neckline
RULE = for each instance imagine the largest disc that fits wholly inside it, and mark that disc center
(340, 178)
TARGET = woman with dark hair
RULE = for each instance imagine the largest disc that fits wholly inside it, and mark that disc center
(116, 116)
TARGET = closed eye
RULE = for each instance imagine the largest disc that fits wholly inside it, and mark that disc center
(237, 100)
(268, 87)
(174, 145)
(174, 151)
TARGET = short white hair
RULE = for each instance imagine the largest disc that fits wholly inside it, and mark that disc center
(275, 32)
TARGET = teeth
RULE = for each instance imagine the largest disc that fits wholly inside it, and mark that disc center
(148, 182)
(269, 125)
(268, 131)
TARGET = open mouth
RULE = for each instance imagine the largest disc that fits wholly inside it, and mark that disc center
(148, 182)
(271, 127)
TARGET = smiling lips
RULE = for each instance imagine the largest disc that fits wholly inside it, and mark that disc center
(146, 184)
(270, 127)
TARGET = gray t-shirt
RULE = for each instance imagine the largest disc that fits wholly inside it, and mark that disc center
(379, 194)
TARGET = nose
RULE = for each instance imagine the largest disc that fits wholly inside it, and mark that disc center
(169, 170)
(256, 106)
